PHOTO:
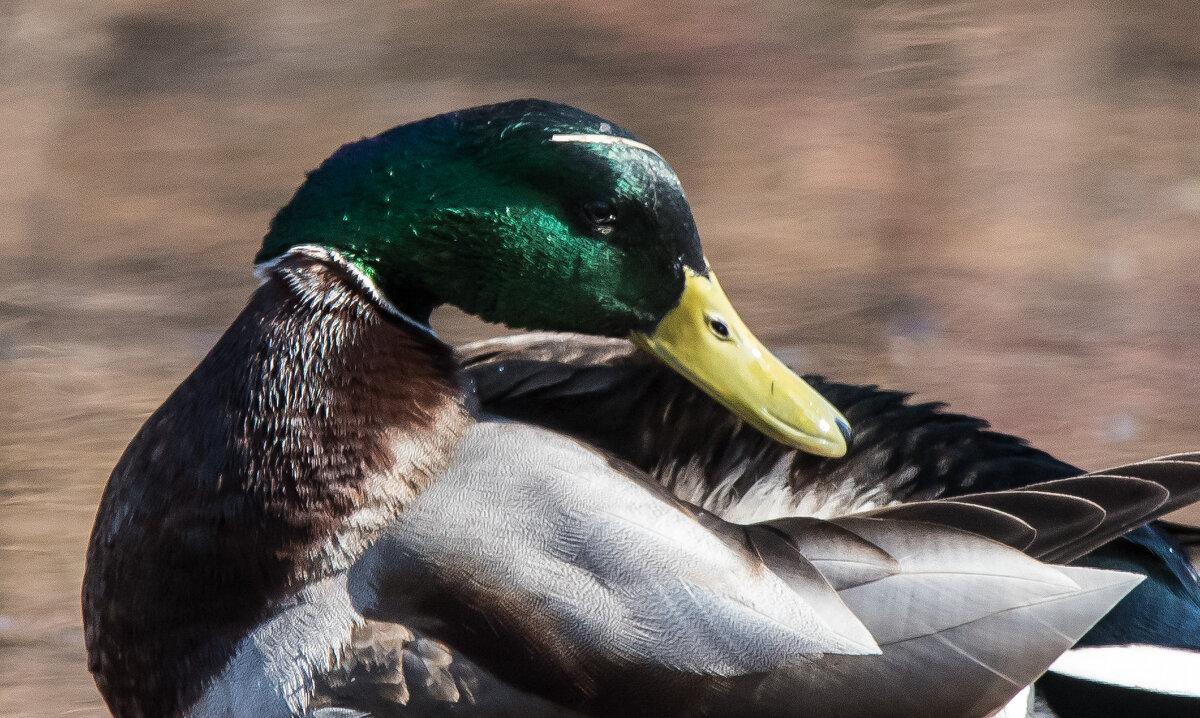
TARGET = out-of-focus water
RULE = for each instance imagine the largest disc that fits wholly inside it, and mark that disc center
(996, 204)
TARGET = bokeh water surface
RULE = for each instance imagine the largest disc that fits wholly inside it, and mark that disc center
(996, 204)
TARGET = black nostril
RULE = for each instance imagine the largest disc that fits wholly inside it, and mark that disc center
(845, 428)
(719, 328)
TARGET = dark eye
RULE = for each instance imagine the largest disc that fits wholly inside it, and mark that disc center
(600, 214)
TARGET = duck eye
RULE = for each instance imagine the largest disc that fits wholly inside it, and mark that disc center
(601, 214)
(718, 327)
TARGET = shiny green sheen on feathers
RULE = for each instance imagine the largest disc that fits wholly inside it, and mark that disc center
(481, 209)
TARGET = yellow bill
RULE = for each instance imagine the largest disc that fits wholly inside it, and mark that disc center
(704, 340)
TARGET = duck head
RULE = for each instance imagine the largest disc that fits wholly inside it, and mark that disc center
(542, 216)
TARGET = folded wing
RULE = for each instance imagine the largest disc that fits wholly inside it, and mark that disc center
(569, 575)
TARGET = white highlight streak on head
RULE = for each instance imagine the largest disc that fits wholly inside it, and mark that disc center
(605, 140)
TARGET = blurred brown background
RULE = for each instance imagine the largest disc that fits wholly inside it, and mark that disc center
(995, 204)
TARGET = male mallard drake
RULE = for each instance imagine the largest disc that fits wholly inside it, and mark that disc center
(320, 520)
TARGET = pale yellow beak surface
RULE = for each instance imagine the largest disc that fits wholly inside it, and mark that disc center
(704, 340)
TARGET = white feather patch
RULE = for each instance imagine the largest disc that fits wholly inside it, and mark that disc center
(1019, 707)
(1150, 668)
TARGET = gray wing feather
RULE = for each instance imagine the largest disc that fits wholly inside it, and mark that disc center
(997, 525)
(966, 670)
(597, 573)
(548, 537)
(1072, 516)
(947, 578)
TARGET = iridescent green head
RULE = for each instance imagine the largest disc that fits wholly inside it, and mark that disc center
(542, 216)
(530, 213)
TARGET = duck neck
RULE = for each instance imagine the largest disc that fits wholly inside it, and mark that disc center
(317, 417)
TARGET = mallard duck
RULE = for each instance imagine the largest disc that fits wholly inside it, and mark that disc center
(322, 519)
